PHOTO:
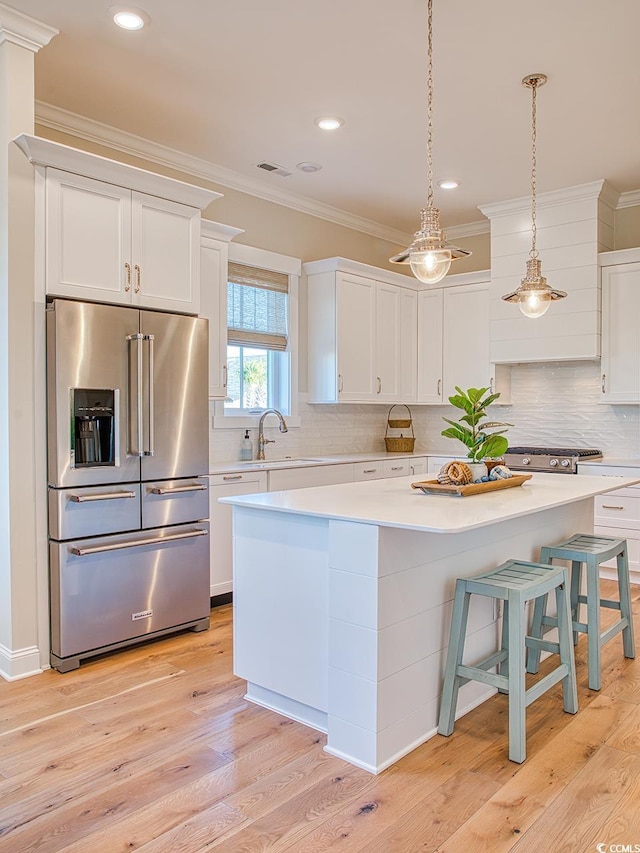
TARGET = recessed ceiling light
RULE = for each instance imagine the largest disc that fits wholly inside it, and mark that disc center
(129, 19)
(306, 166)
(448, 184)
(329, 122)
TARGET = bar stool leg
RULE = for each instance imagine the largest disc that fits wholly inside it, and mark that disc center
(628, 641)
(503, 666)
(593, 621)
(576, 584)
(458, 631)
(569, 683)
(539, 610)
(517, 669)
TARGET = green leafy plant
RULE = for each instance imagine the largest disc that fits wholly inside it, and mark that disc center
(468, 428)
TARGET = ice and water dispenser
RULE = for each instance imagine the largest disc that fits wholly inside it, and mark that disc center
(93, 426)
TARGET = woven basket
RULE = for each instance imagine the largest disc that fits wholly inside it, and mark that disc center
(399, 443)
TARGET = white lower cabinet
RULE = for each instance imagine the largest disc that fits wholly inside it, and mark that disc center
(617, 514)
(435, 463)
(382, 469)
(302, 478)
(220, 525)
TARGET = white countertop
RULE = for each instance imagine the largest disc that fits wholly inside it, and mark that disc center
(393, 503)
(613, 461)
(309, 460)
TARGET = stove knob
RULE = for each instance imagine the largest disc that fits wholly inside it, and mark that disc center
(553, 463)
(526, 461)
(565, 463)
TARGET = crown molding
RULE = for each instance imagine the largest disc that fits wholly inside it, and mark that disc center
(470, 229)
(593, 190)
(629, 199)
(18, 28)
(64, 121)
(217, 231)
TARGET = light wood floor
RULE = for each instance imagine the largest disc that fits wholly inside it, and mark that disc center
(155, 750)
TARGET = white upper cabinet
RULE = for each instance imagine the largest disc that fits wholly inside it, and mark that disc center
(620, 326)
(214, 262)
(453, 340)
(362, 334)
(116, 233)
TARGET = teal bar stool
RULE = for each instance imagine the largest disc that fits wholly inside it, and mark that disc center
(515, 583)
(590, 551)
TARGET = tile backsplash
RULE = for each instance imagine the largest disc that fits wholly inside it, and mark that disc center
(553, 403)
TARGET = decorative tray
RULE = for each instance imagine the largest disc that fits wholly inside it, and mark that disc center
(433, 487)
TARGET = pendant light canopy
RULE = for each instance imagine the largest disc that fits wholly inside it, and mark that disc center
(534, 296)
(430, 255)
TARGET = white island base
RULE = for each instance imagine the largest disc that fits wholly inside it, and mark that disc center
(343, 596)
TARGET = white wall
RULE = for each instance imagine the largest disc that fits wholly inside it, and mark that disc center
(554, 404)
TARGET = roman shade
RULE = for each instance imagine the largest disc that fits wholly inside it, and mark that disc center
(257, 301)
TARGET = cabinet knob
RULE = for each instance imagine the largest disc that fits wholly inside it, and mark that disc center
(127, 286)
(138, 278)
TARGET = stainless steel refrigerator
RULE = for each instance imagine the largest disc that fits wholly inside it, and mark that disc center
(128, 442)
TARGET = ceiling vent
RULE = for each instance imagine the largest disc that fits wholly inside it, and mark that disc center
(274, 168)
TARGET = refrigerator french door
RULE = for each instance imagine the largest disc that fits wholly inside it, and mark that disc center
(127, 409)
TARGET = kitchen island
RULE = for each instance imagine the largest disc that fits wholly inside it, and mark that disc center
(343, 595)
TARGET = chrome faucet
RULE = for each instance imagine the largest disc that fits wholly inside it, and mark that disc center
(262, 441)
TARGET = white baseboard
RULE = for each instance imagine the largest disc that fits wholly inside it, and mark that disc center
(20, 663)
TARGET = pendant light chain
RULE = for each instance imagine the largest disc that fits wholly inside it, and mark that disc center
(430, 104)
(534, 228)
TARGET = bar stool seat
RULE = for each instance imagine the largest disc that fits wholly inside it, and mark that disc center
(515, 583)
(591, 551)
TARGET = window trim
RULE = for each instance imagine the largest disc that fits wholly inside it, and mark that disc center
(251, 256)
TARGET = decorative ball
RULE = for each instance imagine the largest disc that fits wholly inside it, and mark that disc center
(500, 472)
(455, 473)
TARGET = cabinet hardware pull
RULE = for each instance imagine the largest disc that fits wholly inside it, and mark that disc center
(162, 490)
(134, 543)
(396, 468)
(604, 377)
(379, 385)
(610, 506)
(138, 278)
(439, 391)
(369, 470)
(103, 496)
(339, 383)
(232, 477)
(127, 286)
(224, 375)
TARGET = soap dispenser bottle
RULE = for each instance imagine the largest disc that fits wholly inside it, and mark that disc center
(246, 448)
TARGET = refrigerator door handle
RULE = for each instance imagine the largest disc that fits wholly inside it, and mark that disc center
(147, 393)
(160, 490)
(135, 543)
(103, 496)
(135, 385)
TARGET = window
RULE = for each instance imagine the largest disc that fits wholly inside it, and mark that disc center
(261, 336)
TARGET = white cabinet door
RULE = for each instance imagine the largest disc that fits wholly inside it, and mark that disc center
(430, 338)
(620, 335)
(165, 254)
(356, 306)
(408, 346)
(110, 244)
(465, 352)
(418, 466)
(220, 525)
(388, 339)
(213, 306)
(88, 238)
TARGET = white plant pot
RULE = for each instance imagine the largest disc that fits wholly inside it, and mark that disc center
(478, 470)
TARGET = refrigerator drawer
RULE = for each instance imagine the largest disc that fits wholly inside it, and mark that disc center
(175, 501)
(94, 510)
(108, 590)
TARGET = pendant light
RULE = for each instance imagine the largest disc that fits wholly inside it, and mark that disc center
(429, 255)
(534, 296)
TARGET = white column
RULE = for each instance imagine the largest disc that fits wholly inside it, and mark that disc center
(20, 598)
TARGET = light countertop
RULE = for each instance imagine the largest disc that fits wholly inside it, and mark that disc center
(393, 503)
(309, 460)
(613, 461)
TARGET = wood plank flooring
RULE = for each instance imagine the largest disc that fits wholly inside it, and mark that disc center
(155, 750)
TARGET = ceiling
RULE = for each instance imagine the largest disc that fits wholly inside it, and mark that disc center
(237, 82)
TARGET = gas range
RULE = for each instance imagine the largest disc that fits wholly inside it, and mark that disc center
(551, 459)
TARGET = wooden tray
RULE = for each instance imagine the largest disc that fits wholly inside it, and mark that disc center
(433, 487)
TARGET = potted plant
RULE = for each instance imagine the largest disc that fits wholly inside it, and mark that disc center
(470, 430)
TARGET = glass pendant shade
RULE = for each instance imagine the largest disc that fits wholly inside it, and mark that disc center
(430, 266)
(534, 296)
